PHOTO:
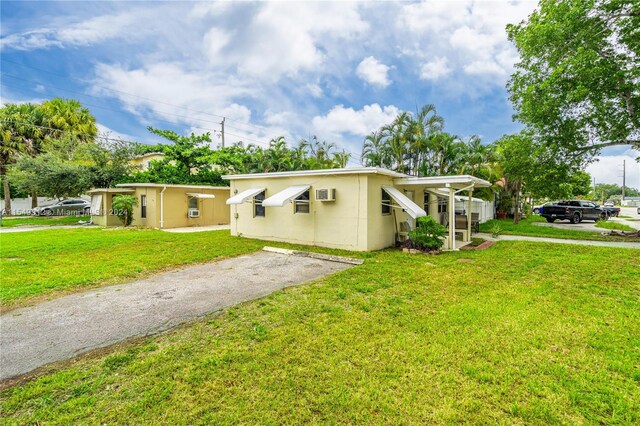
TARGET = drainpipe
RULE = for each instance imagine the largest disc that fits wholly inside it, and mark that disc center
(162, 207)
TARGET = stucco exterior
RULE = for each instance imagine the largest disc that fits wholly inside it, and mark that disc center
(167, 206)
(354, 221)
(142, 162)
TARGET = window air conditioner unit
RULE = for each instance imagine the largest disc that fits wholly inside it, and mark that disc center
(194, 213)
(326, 194)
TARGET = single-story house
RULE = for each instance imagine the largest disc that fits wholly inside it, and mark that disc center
(163, 205)
(363, 208)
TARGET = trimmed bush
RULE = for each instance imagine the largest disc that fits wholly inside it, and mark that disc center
(428, 234)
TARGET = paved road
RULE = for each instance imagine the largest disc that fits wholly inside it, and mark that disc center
(68, 326)
(560, 241)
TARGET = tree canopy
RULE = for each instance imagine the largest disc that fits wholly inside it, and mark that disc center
(577, 84)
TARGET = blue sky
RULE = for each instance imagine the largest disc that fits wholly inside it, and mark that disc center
(337, 70)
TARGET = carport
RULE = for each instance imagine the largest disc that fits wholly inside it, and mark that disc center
(448, 186)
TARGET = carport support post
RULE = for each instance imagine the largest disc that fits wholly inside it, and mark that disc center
(469, 210)
(452, 219)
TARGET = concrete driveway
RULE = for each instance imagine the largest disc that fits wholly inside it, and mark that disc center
(68, 326)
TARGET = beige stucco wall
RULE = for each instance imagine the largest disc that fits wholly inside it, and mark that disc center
(106, 218)
(353, 222)
(212, 211)
(142, 162)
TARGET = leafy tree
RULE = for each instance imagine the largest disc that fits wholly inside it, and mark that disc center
(577, 82)
(123, 206)
(50, 176)
(27, 129)
(518, 164)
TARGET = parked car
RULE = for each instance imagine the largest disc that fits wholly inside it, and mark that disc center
(70, 207)
(575, 211)
(611, 211)
(608, 204)
(539, 209)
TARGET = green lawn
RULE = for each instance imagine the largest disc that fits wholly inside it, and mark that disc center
(520, 333)
(610, 224)
(12, 222)
(39, 263)
(529, 228)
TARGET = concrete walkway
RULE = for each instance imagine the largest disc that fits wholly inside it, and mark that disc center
(68, 326)
(560, 241)
(190, 229)
(40, 228)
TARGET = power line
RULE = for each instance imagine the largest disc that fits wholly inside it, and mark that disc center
(155, 119)
(113, 110)
(137, 96)
(262, 128)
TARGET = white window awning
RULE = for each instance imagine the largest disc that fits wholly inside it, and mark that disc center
(200, 196)
(244, 195)
(286, 195)
(96, 204)
(403, 201)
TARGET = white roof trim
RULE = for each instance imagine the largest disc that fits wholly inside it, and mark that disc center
(321, 172)
(460, 181)
(200, 196)
(286, 195)
(412, 209)
(244, 195)
(169, 185)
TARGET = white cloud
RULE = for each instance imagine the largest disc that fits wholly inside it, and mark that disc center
(608, 169)
(484, 67)
(315, 90)
(373, 72)
(355, 122)
(112, 134)
(83, 33)
(214, 41)
(470, 34)
(284, 38)
(173, 93)
(435, 69)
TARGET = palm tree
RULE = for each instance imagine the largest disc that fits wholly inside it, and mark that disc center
(373, 150)
(18, 131)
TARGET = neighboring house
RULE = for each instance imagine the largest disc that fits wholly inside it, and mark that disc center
(164, 206)
(363, 208)
(142, 162)
(630, 202)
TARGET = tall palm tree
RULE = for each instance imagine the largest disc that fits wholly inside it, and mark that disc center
(18, 132)
(374, 150)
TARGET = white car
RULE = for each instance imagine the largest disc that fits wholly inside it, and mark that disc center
(608, 204)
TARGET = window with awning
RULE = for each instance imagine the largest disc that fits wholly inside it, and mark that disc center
(200, 196)
(245, 195)
(285, 196)
(404, 202)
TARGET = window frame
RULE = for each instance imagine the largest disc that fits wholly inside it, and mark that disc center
(143, 206)
(300, 201)
(189, 201)
(385, 203)
(257, 204)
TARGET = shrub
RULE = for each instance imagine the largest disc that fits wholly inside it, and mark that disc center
(496, 230)
(123, 207)
(428, 234)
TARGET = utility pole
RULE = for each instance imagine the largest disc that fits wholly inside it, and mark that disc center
(222, 124)
(624, 176)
